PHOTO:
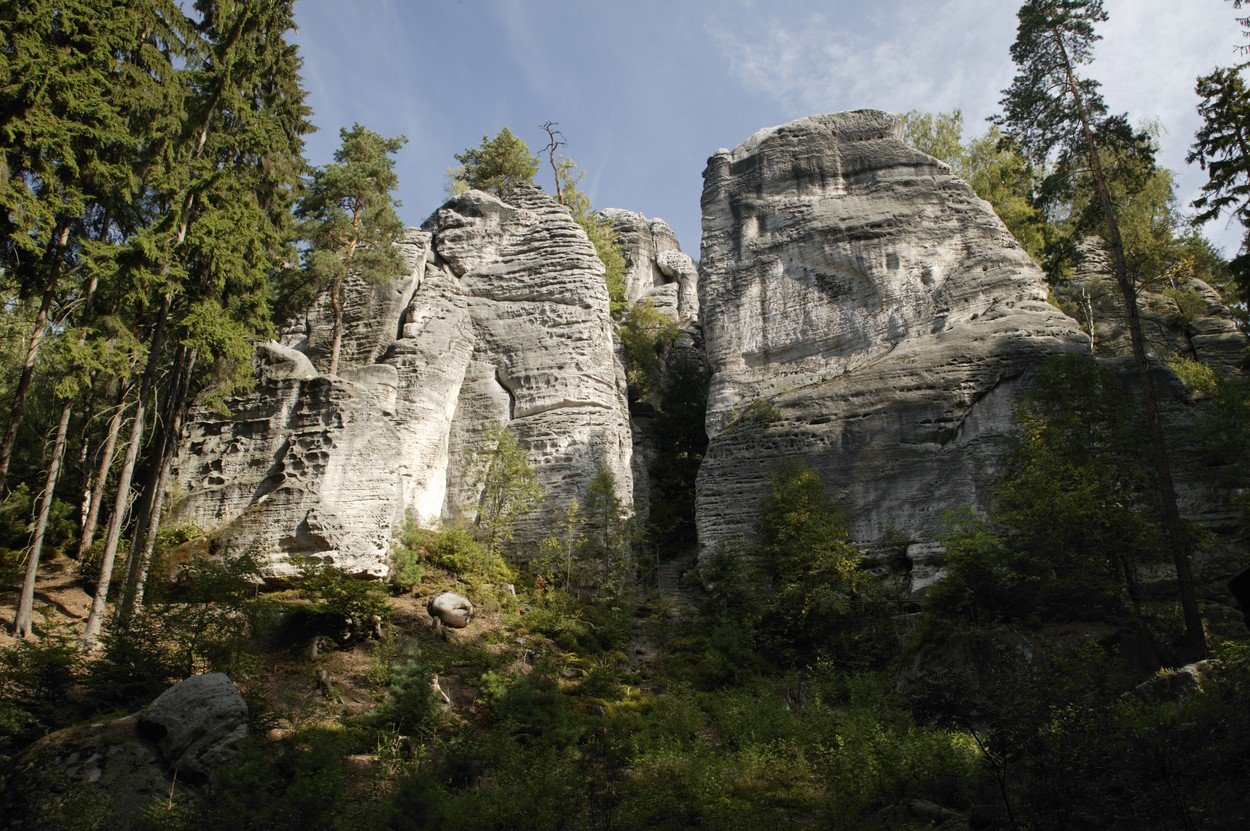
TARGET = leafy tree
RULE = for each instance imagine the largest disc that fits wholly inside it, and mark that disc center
(350, 220)
(991, 165)
(1055, 114)
(509, 487)
(498, 165)
(938, 134)
(646, 336)
(1077, 497)
(813, 566)
(606, 549)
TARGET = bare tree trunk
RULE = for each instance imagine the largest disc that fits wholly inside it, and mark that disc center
(1195, 637)
(32, 354)
(158, 481)
(26, 604)
(121, 503)
(96, 495)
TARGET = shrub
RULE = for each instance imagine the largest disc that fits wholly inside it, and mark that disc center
(355, 603)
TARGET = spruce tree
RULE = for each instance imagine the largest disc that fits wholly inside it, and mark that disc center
(66, 145)
(1058, 117)
(219, 189)
(350, 220)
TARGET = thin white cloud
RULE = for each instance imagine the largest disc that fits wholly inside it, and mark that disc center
(946, 54)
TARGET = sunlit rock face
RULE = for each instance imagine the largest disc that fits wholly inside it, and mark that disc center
(501, 320)
(656, 269)
(864, 311)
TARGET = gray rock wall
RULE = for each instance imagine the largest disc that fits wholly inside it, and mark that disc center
(502, 321)
(862, 310)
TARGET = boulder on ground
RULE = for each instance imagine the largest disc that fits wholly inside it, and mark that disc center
(198, 724)
(450, 609)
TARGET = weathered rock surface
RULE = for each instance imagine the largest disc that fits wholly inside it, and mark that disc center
(1186, 319)
(450, 609)
(198, 724)
(502, 322)
(111, 772)
(656, 269)
(863, 310)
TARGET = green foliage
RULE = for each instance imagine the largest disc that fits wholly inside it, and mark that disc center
(1074, 517)
(647, 334)
(681, 440)
(38, 685)
(454, 549)
(509, 487)
(356, 602)
(817, 584)
(349, 219)
(598, 231)
(411, 706)
(1220, 148)
(498, 165)
(200, 621)
(990, 164)
(607, 546)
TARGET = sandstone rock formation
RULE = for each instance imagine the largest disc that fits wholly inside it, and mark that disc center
(502, 322)
(657, 270)
(863, 310)
(112, 772)
(198, 724)
(450, 609)
(1184, 318)
(660, 274)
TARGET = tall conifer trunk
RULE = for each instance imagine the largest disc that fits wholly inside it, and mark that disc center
(32, 353)
(1195, 638)
(26, 604)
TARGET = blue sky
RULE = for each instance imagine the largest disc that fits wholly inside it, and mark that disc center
(646, 90)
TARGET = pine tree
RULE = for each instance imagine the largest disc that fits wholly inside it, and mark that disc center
(1222, 148)
(498, 165)
(350, 220)
(1055, 115)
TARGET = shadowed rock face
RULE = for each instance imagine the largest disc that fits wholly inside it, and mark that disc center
(863, 310)
(502, 321)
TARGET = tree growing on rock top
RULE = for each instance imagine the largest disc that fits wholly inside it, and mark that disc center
(349, 219)
(1222, 149)
(498, 165)
(1057, 117)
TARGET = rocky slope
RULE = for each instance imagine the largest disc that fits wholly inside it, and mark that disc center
(863, 310)
(502, 321)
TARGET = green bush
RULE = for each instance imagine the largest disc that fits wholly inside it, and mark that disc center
(454, 548)
(355, 603)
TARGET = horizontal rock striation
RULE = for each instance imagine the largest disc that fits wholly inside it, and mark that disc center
(502, 321)
(865, 311)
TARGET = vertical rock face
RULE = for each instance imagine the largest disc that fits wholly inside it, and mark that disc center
(502, 321)
(1186, 318)
(862, 310)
